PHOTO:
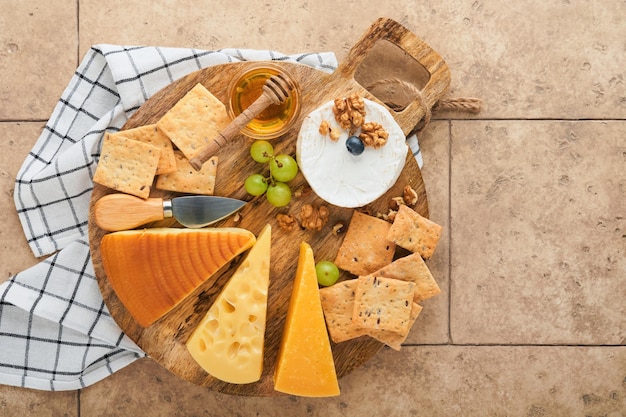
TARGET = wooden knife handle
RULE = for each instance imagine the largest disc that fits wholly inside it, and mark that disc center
(115, 212)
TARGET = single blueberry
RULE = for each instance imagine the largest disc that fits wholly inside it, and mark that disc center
(355, 145)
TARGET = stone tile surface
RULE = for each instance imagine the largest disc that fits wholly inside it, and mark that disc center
(31, 403)
(527, 60)
(430, 380)
(538, 232)
(38, 45)
(562, 59)
(17, 140)
(531, 318)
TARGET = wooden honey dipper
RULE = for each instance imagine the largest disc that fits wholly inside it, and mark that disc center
(275, 91)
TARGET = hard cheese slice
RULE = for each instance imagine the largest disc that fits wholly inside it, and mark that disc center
(228, 343)
(305, 364)
(152, 270)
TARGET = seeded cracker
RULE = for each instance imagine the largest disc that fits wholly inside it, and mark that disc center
(150, 134)
(187, 180)
(414, 232)
(383, 304)
(412, 268)
(365, 248)
(194, 121)
(394, 339)
(338, 305)
(126, 165)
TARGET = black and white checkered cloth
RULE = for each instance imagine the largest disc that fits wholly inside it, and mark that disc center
(55, 330)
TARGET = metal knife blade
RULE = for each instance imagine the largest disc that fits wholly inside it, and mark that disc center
(201, 211)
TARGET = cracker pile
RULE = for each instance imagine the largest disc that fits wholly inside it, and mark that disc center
(132, 159)
(382, 301)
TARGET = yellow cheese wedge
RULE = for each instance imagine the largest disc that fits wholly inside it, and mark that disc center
(228, 343)
(305, 364)
(152, 270)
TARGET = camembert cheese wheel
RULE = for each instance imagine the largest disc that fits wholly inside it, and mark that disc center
(152, 270)
(344, 179)
(228, 343)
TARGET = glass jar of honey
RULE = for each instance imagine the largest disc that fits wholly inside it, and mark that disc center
(276, 119)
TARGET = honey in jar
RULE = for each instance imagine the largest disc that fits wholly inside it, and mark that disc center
(275, 119)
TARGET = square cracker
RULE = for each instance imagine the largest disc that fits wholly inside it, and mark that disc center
(187, 180)
(194, 121)
(394, 339)
(365, 247)
(338, 305)
(413, 232)
(127, 165)
(383, 304)
(412, 268)
(150, 134)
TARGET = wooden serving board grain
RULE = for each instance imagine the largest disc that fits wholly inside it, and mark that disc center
(164, 341)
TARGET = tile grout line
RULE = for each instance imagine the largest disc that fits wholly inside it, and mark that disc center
(77, 33)
(78, 391)
(512, 345)
(490, 119)
(529, 119)
(449, 203)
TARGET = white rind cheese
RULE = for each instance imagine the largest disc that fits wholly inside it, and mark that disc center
(339, 177)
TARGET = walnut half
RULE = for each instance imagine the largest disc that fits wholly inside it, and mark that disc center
(312, 218)
(285, 222)
(349, 112)
(373, 134)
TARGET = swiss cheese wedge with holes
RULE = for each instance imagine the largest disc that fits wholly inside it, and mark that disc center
(305, 364)
(228, 343)
(152, 270)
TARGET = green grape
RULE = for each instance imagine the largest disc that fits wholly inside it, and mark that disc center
(255, 184)
(283, 168)
(327, 273)
(278, 194)
(261, 151)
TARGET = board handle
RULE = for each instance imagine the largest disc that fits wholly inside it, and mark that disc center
(115, 212)
(395, 33)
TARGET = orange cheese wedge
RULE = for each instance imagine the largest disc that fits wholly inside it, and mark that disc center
(152, 270)
(305, 364)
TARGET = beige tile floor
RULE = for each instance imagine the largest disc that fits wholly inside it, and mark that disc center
(531, 192)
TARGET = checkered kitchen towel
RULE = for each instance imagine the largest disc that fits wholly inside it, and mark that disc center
(55, 330)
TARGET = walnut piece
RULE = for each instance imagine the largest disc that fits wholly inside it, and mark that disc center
(409, 195)
(373, 134)
(349, 112)
(312, 218)
(338, 229)
(409, 198)
(389, 216)
(396, 202)
(325, 129)
(285, 221)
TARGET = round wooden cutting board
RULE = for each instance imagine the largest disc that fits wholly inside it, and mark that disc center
(164, 341)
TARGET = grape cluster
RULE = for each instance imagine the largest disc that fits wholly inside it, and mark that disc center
(283, 168)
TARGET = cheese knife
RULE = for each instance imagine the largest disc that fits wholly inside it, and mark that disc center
(115, 212)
